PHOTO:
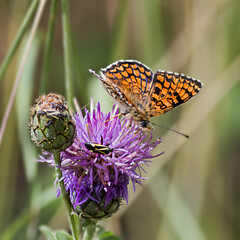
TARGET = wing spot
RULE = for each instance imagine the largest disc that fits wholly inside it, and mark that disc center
(182, 92)
(125, 74)
(190, 89)
(157, 90)
(141, 69)
(120, 68)
(149, 73)
(166, 84)
(118, 75)
(113, 70)
(136, 73)
(110, 75)
(143, 76)
(185, 86)
(175, 80)
(129, 70)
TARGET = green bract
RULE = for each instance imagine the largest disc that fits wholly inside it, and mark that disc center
(91, 209)
(51, 124)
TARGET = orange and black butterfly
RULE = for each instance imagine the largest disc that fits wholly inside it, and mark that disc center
(142, 94)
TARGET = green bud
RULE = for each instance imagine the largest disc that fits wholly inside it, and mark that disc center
(51, 125)
(98, 210)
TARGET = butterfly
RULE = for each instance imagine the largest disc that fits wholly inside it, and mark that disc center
(142, 94)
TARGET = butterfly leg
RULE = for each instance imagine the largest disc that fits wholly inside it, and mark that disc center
(117, 115)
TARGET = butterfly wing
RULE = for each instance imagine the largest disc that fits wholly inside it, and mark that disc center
(171, 90)
(129, 82)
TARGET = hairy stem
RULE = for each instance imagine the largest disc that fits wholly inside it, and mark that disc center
(67, 202)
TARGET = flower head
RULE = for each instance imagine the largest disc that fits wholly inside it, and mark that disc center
(51, 125)
(107, 153)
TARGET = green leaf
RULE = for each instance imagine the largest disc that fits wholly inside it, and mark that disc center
(108, 236)
(47, 232)
(61, 235)
(58, 235)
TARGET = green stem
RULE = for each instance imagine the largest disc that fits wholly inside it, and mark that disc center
(89, 229)
(18, 38)
(67, 202)
(47, 50)
(68, 55)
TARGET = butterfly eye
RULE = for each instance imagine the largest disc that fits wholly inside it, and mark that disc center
(145, 124)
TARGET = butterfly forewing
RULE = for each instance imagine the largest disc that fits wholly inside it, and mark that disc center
(171, 90)
(131, 78)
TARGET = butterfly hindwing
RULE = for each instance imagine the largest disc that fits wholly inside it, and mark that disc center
(171, 90)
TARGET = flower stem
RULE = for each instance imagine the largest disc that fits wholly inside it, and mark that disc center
(47, 51)
(18, 38)
(89, 229)
(68, 54)
(72, 219)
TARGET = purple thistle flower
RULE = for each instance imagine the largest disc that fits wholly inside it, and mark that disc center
(107, 153)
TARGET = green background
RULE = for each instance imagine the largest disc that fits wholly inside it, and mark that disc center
(193, 189)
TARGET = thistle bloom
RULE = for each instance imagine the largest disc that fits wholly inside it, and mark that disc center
(107, 153)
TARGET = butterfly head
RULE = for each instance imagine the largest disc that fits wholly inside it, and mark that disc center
(145, 125)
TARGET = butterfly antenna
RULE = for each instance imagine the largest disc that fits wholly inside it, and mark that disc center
(173, 130)
(84, 106)
(117, 115)
(95, 74)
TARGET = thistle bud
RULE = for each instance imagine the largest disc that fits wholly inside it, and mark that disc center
(92, 209)
(51, 124)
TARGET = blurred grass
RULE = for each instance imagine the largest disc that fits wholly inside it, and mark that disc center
(20, 33)
(48, 46)
(193, 190)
